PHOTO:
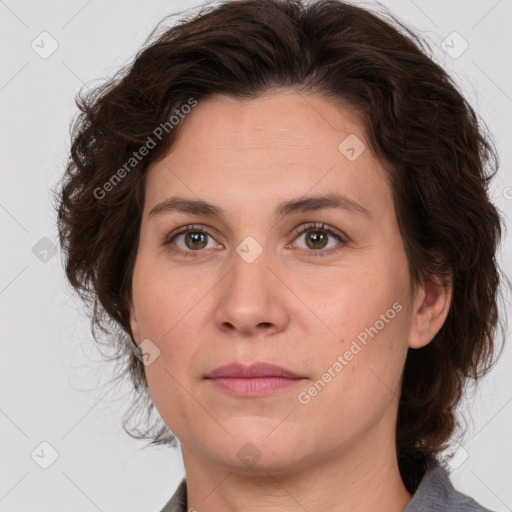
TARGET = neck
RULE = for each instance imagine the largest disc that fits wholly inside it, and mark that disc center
(358, 478)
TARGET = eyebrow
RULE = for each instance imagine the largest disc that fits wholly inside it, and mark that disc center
(302, 204)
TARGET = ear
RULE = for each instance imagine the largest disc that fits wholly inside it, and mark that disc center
(134, 324)
(430, 309)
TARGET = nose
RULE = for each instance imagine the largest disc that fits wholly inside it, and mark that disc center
(251, 298)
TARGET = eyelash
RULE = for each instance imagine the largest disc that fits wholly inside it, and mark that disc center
(297, 232)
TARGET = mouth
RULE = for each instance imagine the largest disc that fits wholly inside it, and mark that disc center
(253, 386)
(252, 380)
(238, 370)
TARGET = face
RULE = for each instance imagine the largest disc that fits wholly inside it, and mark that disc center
(321, 291)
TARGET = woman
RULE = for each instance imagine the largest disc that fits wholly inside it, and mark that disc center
(285, 207)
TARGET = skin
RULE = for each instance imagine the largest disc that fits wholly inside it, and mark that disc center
(336, 452)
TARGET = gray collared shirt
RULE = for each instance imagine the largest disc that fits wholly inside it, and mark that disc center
(434, 494)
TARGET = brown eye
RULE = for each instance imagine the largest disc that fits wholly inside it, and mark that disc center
(189, 239)
(317, 238)
(195, 239)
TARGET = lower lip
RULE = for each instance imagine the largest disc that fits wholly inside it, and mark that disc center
(257, 386)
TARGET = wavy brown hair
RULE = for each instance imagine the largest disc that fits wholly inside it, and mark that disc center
(438, 156)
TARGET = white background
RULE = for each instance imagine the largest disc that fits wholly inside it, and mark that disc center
(51, 376)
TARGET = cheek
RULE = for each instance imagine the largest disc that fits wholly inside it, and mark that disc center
(165, 316)
(162, 298)
(356, 382)
(366, 305)
(371, 321)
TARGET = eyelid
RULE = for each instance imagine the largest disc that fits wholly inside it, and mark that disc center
(321, 226)
(188, 227)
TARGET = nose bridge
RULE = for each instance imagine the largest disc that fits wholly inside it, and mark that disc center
(250, 275)
(250, 262)
(249, 294)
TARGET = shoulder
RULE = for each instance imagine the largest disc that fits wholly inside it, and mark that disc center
(436, 493)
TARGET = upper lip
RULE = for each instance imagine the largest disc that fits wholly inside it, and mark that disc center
(252, 370)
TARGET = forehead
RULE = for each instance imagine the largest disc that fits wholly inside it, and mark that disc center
(275, 146)
(272, 120)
